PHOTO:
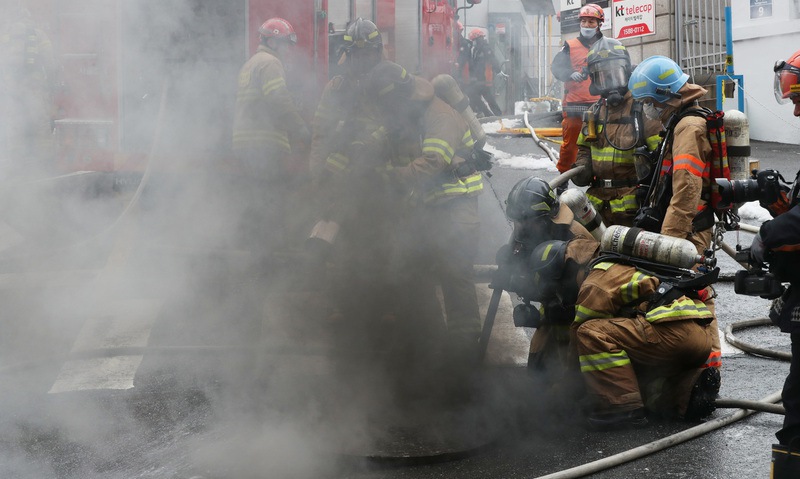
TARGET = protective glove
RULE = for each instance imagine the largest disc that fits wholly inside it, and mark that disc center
(577, 77)
(757, 252)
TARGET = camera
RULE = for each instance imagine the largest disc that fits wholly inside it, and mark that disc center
(756, 281)
(764, 186)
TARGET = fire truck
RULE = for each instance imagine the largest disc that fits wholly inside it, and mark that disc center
(156, 78)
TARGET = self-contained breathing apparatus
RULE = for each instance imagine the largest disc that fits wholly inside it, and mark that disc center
(657, 197)
(552, 284)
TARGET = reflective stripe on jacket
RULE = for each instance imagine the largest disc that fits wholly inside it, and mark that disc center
(610, 287)
(427, 164)
(265, 110)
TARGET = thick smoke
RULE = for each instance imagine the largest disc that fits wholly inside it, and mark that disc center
(240, 370)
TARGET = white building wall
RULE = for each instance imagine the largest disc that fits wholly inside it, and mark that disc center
(757, 44)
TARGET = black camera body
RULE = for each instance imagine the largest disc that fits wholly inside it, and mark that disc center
(756, 281)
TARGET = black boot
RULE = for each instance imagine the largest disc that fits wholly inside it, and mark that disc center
(612, 421)
(786, 461)
(704, 393)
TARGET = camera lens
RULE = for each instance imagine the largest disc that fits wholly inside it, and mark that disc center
(737, 191)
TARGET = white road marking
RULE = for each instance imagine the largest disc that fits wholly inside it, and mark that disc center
(126, 324)
(508, 344)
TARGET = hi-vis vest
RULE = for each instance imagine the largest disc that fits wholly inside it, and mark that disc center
(578, 92)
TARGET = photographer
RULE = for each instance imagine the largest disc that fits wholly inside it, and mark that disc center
(778, 243)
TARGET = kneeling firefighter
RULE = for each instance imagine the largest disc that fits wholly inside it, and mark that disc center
(539, 216)
(640, 332)
(613, 131)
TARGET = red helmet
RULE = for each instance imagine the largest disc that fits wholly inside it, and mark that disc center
(459, 26)
(592, 10)
(475, 33)
(787, 78)
(278, 28)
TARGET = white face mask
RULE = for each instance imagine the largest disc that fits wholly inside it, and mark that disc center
(588, 32)
(651, 111)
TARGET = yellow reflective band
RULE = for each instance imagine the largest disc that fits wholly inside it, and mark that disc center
(347, 38)
(603, 361)
(338, 161)
(630, 290)
(639, 84)
(624, 204)
(546, 251)
(653, 142)
(666, 74)
(603, 265)
(373, 34)
(685, 308)
(272, 85)
(431, 142)
(468, 186)
(582, 313)
(386, 90)
(540, 207)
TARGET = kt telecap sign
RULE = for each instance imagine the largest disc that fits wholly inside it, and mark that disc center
(633, 18)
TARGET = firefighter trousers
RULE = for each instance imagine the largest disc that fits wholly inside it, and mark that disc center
(610, 349)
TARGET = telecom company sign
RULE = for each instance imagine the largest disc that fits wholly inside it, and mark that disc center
(634, 18)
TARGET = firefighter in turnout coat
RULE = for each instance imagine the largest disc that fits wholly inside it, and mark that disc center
(618, 132)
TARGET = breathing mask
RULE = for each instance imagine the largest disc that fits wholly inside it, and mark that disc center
(652, 111)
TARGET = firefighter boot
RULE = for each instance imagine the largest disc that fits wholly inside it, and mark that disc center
(785, 461)
(704, 393)
(612, 421)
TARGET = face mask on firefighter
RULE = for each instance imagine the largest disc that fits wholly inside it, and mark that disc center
(361, 60)
(652, 111)
(531, 231)
(588, 32)
(610, 79)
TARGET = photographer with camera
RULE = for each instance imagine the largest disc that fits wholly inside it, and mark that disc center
(778, 245)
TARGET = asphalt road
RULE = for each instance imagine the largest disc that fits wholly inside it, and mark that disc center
(148, 359)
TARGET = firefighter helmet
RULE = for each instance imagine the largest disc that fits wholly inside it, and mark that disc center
(609, 67)
(592, 10)
(391, 85)
(531, 198)
(475, 33)
(547, 268)
(787, 78)
(658, 78)
(362, 34)
(278, 28)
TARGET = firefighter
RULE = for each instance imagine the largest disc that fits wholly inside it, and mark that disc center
(618, 128)
(538, 216)
(463, 55)
(639, 346)
(778, 243)
(482, 66)
(683, 188)
(431, 145)
(569, 66)
(347, 155)
(28, 82)
(267, 125)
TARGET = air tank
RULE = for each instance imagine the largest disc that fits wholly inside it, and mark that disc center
(448, 90)
(584, 211)
(652, 246)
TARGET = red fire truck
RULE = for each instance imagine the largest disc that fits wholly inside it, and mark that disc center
(156, 78)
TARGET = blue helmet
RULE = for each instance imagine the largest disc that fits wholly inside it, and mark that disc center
(657, 77)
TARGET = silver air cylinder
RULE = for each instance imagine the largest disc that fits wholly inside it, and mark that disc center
(651, 246)
(737, 137)
(584, 211)
(448, 90)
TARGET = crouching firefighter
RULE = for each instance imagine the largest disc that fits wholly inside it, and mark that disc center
(679, 201)
(539, 216)
(640, 331)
